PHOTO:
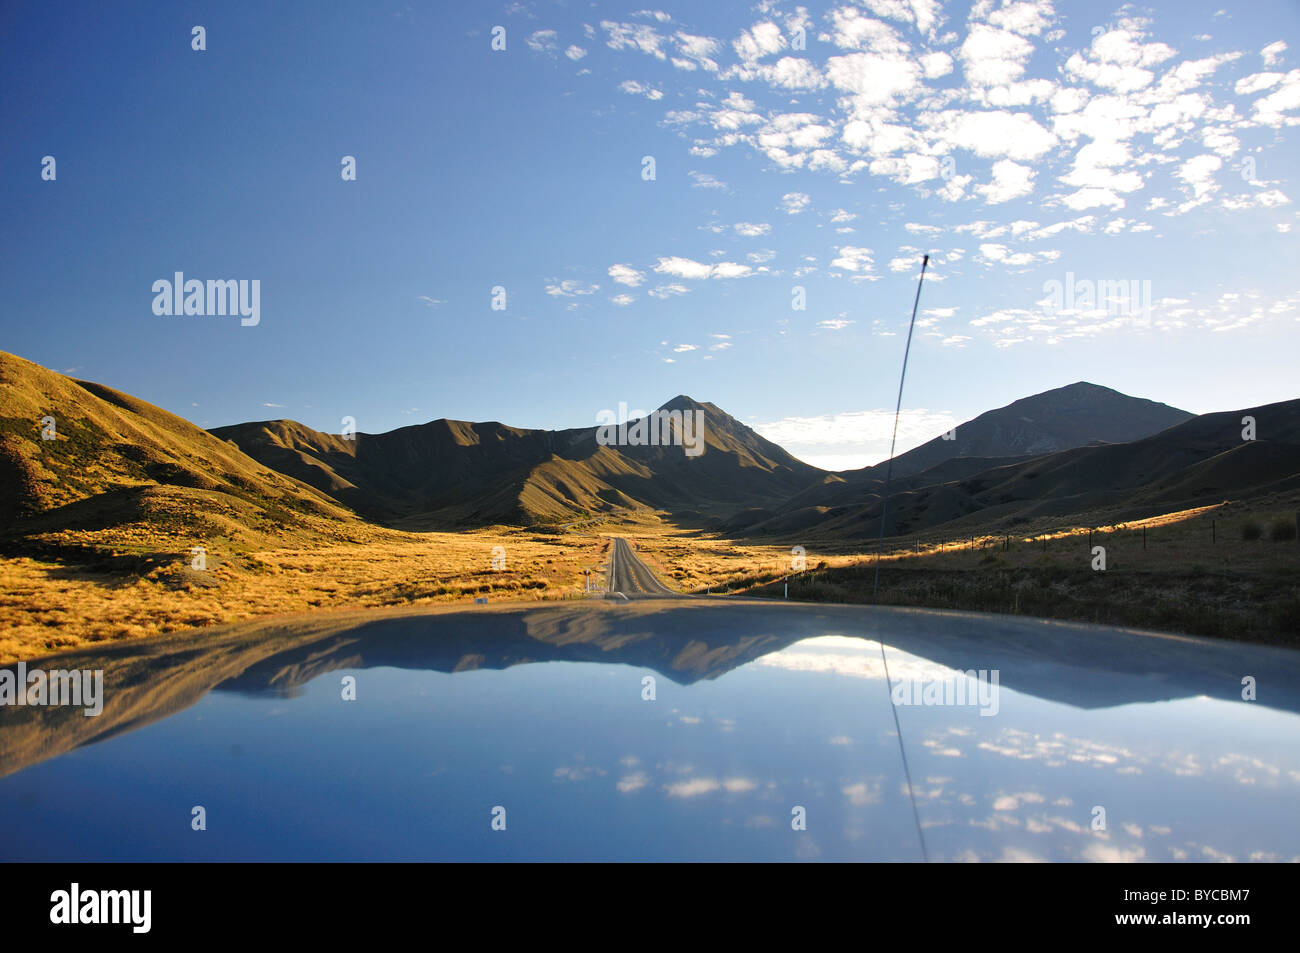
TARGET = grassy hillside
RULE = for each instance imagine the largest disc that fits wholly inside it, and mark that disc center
(99, 540)
(450, 473)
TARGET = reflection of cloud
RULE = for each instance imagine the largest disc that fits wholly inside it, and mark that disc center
(1018, 855)
(633, 783)
(1112, 854)
(578, 772)
(841, 740)
(806, 848)
(695, 787)
(1059, 749)
(692, 788)
(854, 658)
(1009, 802)
(940, 749)
(861, 794)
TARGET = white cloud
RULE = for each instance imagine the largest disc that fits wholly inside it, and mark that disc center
(760, 40)
(1092, 198)
(697, 52)
(543, 41)
(936, 64)
(575, 53)
(852, 258)
(622, 300)
(1010, 181)
(696, 270)
(1272, 54)
(751, 229)
(683, 268)
(1028, 18)
(706, 180)
(854, 439)
(626, 275)
(729, 269)
(795, 202)
(570, 289)
(634, 88)
(875, 79)
(995, 133)
(1257, 82)
(1198, 173)
(1269, 109)
(793, 73)
(668, 291)
(638, 36)
(993, 57)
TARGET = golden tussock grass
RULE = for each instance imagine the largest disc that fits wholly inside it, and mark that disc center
(47, 606)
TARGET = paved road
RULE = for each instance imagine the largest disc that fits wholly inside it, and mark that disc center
(631, 578)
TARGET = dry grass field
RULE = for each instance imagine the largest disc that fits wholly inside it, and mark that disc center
(48, 605)
(1229, 571)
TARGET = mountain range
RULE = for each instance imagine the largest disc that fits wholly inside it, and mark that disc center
(115, 459)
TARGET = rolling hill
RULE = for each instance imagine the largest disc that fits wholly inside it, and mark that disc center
(1201, 461)
(1064, 418)
(117, 461)
(1059, 419)
(451, 472)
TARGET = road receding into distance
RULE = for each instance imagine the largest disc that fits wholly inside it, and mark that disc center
(630, 578)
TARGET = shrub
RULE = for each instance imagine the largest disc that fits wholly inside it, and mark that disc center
(1281, 530)
(1251, 530)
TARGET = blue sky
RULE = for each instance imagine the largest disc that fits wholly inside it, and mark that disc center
(1019, 144)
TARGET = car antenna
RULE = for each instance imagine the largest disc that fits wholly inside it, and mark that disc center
(884, 508)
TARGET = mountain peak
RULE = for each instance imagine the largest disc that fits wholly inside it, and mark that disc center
(682, 402)
(1062, 418)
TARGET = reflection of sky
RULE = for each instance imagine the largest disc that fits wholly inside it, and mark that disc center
(586, 769)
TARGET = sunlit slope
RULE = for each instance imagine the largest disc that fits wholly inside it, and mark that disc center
(116, 459)
(450, 472)
(1201, 461)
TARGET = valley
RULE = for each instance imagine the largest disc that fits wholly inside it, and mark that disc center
(123, 521)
